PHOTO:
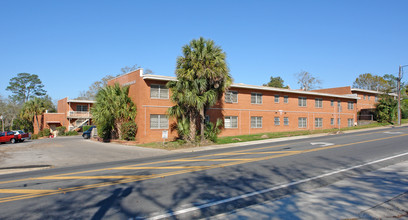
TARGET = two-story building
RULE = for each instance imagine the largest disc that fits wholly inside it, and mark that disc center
(71, 114)
(245, 109)
(367, 102)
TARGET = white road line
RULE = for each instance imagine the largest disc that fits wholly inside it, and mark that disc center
(183, 211)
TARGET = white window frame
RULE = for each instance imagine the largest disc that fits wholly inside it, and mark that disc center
(161, 89)
(318, 103)
(331, 121)
(258, 97)
(302, 102)
(257, 122)
(302, 122)
(230, 123)
(332, 102)
(350, 122)
(229, 96)
(350, 105)
(318, 122)
(276, 98)
(286, 99)
(276, 121)
(286, 121)
(159, 125)
(81, 108)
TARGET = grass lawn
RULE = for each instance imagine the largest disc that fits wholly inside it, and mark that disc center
(173, 145)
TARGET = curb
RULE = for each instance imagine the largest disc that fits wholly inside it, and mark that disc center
(274, 140)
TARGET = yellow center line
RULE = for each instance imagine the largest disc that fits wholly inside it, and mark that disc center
(158, 168)
(262, 152)
(154, 176)
(231, 159)
(90, 177)
(141, 164)
(26, 191)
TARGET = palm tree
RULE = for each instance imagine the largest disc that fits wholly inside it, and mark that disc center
(113, 107)
(203, 76)
(34, 107)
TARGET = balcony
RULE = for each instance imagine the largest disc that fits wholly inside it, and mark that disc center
(79, 114)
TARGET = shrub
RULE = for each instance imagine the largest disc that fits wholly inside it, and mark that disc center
(61, 130)
(212, 131)
(86, 127)
(34, 136)
(129, 130)
(71, 133)
(44, 133)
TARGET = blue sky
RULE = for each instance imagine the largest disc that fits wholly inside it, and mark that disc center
(71, 44)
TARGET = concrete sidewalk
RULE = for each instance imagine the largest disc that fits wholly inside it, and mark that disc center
(382, 194)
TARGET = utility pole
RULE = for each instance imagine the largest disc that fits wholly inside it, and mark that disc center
(399, 92)
(399, 95)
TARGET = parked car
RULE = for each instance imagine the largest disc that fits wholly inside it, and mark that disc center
(8, 136)
(87, 133)
(21, 136)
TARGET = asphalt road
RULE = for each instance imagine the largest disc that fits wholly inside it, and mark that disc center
(199, 184)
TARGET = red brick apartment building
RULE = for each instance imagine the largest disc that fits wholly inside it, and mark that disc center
(366, 103)
(246, 109)
(70, 113)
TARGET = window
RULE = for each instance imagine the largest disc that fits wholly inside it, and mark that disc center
(159, 92)
(159, 122)
(318, 122)
(376, 98)
(318, 103)
(364, 97)
(302, 102)
(350, 122)
(82, 108)
(285, 121)
(338, 121)
(231, 97)
(277, 121)
(285, 99)
(231, 122)
(256, 98)
(350, 105)
(339, 105)
(332, 121)
(302, 122)
(256, 122)
(369, 97)
(331, 102)
(276, 98)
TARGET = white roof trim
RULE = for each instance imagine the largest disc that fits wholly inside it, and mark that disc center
(141, 73)
(81, 101)
(245, 86)
(371, 91)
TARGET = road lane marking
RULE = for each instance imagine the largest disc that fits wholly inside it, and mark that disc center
(393, 132)
(247, 195)
(158, 168)
(139, 164)
(91, 177)
(154, 176)
(261, 152)
(226, 159)
(26, 191)
(322, 144)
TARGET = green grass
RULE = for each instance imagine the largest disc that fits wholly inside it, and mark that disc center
(173, 145)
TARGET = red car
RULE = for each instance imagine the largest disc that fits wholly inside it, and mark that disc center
(21, 136)
(8, 136)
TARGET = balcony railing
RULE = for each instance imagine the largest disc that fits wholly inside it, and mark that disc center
(79, 114)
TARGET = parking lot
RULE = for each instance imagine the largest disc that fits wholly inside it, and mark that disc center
(68, 151)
